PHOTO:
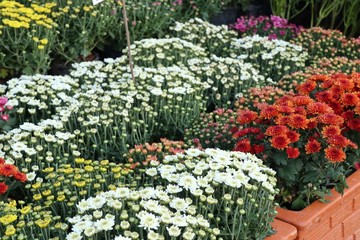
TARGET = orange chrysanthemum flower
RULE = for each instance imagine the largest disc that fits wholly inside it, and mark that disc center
(312, 123)
(282, 120)
(324, 96)
(306, 87)
(300, 110)
(347, 115)
(268, 112)
(280, 141)
(319, 77)
(285, 109)
(286, 100)
(319, 108)
(345, 83)
(336, 107)
(338, 141)
(292, 152)
(246, 116)
(7, 170)
(302, 100)
(298, 121)
(330, 118)
(312, 146)
(349, 99)
(334, 154)
(276, 130)
(293, 136)
(20, 176)
(331, 130)
(243, 145)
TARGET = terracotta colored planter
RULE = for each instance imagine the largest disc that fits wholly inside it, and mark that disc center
(337, 220)
(284, 231)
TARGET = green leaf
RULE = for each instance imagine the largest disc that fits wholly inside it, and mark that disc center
(298, 203)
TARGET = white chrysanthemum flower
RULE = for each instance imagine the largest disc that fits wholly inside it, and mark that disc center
(174, 231)
(179, 204)
(179, 220)
(122, 238)
(188, 182)
(104, 224)
(258, 176)
(89, 231)
(83, 205)
(151, 172)
(194, 152)
(96, 202)
(73, 236)
(188, 235)
(148, 220)
(170, 188)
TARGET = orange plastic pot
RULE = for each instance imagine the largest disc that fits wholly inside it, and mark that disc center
(339, 219)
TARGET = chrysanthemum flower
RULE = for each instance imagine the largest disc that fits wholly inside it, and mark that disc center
(276, 130)
(7, 170)
(268, 112)
(298, 121)
(331, 118)
(243, 145)
(292, 152)
(246, 116)
(335, 154)
(312, 146)
(338, 141)
(324, 96)
(280, 141)
(319, 108)
(354, 124)
(293, 136)
(306, 87)
(3, 188)
(282, 120)
(345, 83)
(329, 131)
(302, 100)
(349, 99)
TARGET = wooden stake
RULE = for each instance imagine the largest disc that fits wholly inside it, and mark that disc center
(126, 21)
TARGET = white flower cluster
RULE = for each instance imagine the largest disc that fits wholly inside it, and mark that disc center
(273, 58)
(139, 214)
(163, 52)
(219, 181)
(226, 76)
(215, 39)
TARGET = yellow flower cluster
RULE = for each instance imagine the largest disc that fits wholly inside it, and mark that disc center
(16, 220)
(16, 15)
(66, 185)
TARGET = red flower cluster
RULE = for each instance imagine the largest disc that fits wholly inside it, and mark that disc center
(308, 123)
(9, 171)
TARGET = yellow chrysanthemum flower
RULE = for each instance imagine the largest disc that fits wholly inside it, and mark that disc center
(10, 230)
(7, 219)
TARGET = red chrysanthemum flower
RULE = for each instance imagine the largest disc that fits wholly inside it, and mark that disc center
(241, 133)
(354, 124)
(7, 170)
(334, 154)
(258, 148)
(319, 108)
(286, 100)
(349, 99)
(300, 110)
(338, 141)
(268, 112)
(243, 145)
(336, 107)
(312, 123)
(302, 100)
(347, 115)
(298, 121)
(2, 161)
(345, 83)
(282, 120)
(254, 130)
(331, 130)
(312, 146)
(292, 152)
(330, 118)
(324, 96)
(293, 136)
(3, 188)
(280, 141)
(285, 109)
(306, 87)
(20, 176)
(276, 130)
(246, 116)
(337, 91)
